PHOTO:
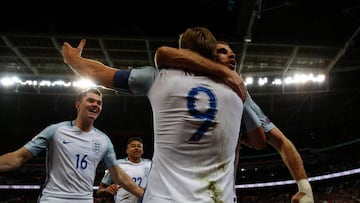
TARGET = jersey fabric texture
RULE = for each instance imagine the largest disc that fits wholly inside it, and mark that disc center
(139, 81)
(72, 157)
(139, 172)
(196, 128)
(254, 117)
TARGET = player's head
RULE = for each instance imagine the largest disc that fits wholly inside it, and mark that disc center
(134, 149)
(225, 55)
(200, 40)
(89, 103)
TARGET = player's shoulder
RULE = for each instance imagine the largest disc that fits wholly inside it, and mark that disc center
(97, 130)
(63, 123)
(58, 125)
(144, 71)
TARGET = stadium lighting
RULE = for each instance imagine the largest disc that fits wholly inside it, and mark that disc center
(84, 83)
(303, 78)
(249, 81)
(15, 81)
(296, 79)
(263, 81)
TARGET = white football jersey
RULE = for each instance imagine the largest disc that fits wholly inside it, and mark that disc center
(71, 160)
(139, 172)
(196, 128)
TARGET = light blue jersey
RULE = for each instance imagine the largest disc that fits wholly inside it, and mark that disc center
(254, 117)
(72, 157)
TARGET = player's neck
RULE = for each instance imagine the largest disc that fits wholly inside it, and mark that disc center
(134, 160)
(84, 125)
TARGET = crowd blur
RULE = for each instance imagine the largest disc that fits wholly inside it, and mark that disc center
(340, 190)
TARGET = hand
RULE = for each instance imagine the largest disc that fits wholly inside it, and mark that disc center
(304, 195)
(68, 51)
(112, 189)
(236, 83)
(70, 54)
(301, 197)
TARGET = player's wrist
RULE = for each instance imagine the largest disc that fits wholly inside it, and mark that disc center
(304, 186)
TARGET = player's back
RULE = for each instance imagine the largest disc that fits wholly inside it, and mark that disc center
(196, 126)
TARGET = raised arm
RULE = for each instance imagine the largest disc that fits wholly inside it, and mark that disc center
(294, 163)
(96, 70)
(178, 58)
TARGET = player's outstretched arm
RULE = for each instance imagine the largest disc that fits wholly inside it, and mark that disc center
(15, 159)
(102, 74)
(294, 163)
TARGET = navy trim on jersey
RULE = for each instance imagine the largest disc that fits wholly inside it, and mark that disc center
(120, 79)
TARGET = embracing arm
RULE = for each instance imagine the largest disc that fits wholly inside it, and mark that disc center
(125, 181)
(96, 70)
(15, 159)
(178, 58)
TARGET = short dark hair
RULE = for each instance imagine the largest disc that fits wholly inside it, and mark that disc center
(134, 138)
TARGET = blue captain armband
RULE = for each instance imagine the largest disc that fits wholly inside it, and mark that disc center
(121, 79)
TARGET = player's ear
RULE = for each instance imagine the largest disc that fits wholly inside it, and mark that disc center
(77, 105)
